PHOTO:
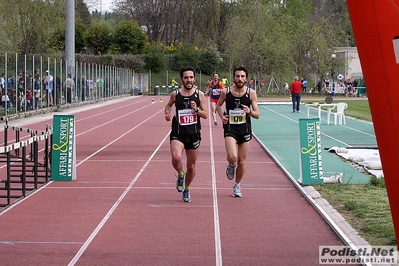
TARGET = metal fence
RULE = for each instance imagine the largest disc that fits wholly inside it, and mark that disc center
(34, 82)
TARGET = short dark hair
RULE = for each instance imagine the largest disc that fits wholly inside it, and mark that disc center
(187, 68)
(241, 68)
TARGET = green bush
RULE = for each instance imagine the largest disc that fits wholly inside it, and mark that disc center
(155, 59)
(129, 38)
(208, 61)
(186, 56)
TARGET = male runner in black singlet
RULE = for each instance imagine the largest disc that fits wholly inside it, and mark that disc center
(186, 128)
(237, 124)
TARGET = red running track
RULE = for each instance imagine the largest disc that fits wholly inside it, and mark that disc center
(124, 209)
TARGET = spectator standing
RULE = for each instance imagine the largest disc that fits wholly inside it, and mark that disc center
(2, 88)
(21, 92)
(36, 90)
(11, 90)
(49, 83)
(84, 91)
(78, 86)
(304, 85)
(90, 87)
(5, 100)
(100, 87)
(174, 83)
(28, 99)
(69, 87)
(3, 84)
(225, 81)
(251, 83)
(186, 128)
(295, 89)
(355, 84)
(286, 88)
(107, 87)
(241, 105)
(10, 83)
(327, 82)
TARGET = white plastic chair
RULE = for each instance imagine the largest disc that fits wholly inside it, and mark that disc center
(340, 113)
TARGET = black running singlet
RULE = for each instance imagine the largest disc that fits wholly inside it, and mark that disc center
(239, 121)
(186, 121)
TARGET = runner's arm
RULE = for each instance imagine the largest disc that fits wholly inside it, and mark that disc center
(254, 103)
(169, 105)
(219, 107)
(203, 113)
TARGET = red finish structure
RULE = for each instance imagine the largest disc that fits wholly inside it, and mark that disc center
(376, 28)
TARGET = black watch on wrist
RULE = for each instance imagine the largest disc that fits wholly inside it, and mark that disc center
(196, 110)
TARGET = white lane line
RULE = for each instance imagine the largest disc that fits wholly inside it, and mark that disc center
(109, 111)
(96, 127)
(218, 244)
(179, 206)
(248, 187)
(40, 243)
(116, 204)
(115, 119)
(115, 140)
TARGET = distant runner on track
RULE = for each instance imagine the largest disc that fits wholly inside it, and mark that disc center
(214, 89)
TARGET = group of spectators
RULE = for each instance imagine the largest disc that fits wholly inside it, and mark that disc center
(24, 90)
(88, 88)
(31, 91)
(347, 86)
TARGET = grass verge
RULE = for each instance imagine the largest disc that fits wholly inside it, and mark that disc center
(365, 207)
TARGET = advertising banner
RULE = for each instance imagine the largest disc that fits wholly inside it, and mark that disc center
(63, 154)
(311, 171)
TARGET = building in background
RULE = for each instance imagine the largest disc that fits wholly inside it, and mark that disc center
(348, 62)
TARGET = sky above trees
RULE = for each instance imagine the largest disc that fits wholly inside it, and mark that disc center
(100, 5)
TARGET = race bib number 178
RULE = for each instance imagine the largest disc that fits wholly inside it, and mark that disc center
(237, 116)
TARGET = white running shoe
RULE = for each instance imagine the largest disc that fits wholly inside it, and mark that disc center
(186, 196)
(237, 190)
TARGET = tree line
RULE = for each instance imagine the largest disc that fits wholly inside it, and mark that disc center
(270, 37)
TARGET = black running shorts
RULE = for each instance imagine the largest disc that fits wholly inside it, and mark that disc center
(191, 142)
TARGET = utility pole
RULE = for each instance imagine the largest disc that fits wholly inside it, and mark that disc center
(70, 37)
